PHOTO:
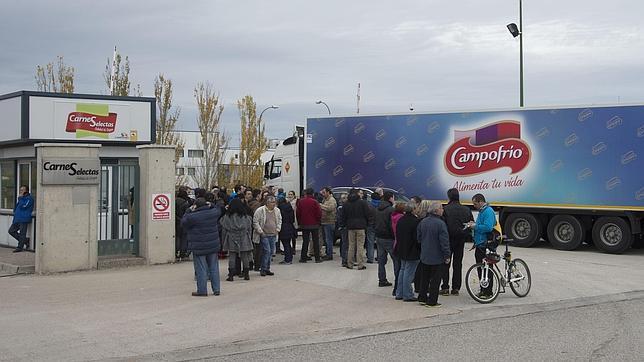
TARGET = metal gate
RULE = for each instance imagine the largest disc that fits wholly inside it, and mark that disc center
(118, 223)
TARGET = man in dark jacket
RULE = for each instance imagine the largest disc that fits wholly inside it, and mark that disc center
(408, 250)
(455, 215)
(287, 232)
(385, 240)
(355, 216)
(22, 218)
(309, 216)
(201, 226)
(182, 203)
(434, 251)
(342, 227)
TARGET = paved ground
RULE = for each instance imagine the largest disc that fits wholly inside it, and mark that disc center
(148, 313)
(608, 331)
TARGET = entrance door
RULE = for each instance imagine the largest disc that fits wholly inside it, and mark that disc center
(118, 210)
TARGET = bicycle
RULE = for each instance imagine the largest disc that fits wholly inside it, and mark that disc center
(480, 275)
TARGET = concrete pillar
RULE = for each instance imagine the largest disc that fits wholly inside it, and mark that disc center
(66, 215)
(156, 234)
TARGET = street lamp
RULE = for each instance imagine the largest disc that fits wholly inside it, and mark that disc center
(326, 105)
(518, 31)
(259, 120)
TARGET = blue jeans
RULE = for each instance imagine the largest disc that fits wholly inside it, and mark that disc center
(405, 277)
(344, 245)
(385, 247)
(19, 232)
(371, 240)
(206, 265)
(268, 248)
(329, 231)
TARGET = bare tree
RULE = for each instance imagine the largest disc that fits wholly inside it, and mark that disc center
(253, 143)
(167, 118)
(212, 139)
(119, 74)
(58, 78)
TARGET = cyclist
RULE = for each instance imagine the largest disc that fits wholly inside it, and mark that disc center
(483, 227)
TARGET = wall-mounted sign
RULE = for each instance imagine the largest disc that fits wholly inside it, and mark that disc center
(77, 171)
(161, 207)
(89, 119)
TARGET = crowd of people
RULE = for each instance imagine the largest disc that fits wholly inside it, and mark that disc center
(423, 238)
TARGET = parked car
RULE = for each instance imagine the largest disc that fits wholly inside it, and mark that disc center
(337, 191)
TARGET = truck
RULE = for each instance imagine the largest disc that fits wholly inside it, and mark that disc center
(566, 175)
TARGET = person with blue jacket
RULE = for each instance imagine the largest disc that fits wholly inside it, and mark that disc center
(482, 228)
(22, 218)
(202, 233)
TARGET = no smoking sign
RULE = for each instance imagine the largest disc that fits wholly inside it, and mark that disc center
(161, 207)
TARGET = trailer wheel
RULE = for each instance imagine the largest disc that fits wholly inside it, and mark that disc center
(612, 235)
(565, 232)
(523, 228)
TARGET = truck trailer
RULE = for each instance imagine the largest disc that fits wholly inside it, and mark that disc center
(567, 175)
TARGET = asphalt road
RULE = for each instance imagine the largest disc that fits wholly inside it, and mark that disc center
(607, 331)
(582, 302)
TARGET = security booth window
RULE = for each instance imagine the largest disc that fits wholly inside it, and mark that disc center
(7, 185)
(27, 176)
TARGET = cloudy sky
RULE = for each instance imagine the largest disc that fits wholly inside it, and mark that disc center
(430, 54)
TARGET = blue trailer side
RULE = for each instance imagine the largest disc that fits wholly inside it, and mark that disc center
(567, 174)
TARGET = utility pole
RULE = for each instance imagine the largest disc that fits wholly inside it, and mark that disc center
(358, 98)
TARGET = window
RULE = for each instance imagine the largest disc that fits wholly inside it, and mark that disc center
(276, 169)
(7, 185)
(27, 177)
(191, 171)
(180, 152)
(195, 153)
(180, 171)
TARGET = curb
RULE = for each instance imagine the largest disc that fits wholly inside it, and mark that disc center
(7, 268)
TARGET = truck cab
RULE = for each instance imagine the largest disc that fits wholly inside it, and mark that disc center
(284, 170)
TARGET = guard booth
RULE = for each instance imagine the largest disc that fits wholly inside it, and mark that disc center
(81, 156)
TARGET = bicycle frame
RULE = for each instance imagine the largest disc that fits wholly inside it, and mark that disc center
(505, 277)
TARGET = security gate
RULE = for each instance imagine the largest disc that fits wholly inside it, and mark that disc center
(118, 226)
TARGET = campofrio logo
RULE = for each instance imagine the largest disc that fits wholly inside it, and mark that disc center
(91, 120)
(487, 148)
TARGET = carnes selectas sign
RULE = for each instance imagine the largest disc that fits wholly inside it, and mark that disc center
(91, 120)
(79, 171)
(98, 120)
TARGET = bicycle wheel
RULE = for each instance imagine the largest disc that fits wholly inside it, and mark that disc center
(475, 285)
(520, 281)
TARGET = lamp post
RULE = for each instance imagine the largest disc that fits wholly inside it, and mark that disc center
(259, 120)
(326, 105)
(518, 31)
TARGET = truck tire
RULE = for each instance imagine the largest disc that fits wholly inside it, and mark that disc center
(612, 235)
(565, 232)
(524, 229)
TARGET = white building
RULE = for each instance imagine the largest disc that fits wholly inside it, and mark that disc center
(192, 158)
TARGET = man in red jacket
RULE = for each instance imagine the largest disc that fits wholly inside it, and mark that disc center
(309, 216)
